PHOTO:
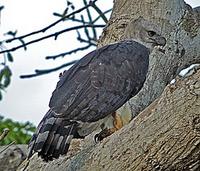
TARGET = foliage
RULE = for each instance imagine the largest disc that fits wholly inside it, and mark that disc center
(5, 76)
(5, 72)
(19, 132)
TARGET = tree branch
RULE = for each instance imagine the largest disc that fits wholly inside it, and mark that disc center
(80, 21)
(90, 20)
(86, 41)
(165, 136)
(101, 14)
(96, 19)
(53, 24)
(51, 35)
(46, 71)
(7, 147)
(4, 133)
(68, 53)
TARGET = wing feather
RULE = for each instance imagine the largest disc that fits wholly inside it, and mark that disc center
(101, 82)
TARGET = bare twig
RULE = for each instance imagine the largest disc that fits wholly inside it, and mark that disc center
(86, 29)
(4, 133)
(96, 19)
(7, 147)
(77, 20)
(26, 164)
(80, 21)
(68, 53)
(46, 71)
(92, 42)
(100, 12)
(53, 24)
(51, 35)
(90, 20)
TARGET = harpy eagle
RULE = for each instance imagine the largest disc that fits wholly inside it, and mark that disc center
(95, 87)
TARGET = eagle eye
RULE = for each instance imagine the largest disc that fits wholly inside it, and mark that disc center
(151, 33)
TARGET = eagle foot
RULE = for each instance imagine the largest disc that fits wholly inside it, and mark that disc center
(103, 134)
(117, 124)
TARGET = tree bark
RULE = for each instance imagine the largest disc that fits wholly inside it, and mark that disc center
(180, 25)
(166, 134)
(12, 157)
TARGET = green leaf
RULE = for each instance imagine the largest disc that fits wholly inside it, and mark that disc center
(0, 95)
(5, 76)
(19, 132)
(1, 74)
(7, 81)
(9, 56)
(7, 71)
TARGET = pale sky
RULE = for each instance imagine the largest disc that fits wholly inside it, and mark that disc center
(27, 99)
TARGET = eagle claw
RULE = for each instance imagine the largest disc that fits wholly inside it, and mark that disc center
(103, 134)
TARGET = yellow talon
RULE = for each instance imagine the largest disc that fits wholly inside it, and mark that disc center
(117, 123)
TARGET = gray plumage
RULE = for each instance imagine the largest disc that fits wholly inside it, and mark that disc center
(94, 87)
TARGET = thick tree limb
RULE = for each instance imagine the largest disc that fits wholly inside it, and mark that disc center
(165, 136)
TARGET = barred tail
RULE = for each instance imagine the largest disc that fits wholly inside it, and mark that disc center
(52, 137)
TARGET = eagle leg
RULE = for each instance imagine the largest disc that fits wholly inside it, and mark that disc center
(117, 124)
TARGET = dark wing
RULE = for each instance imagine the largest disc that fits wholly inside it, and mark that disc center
(101, 82)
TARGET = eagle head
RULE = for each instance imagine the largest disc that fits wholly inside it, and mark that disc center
(144, 32)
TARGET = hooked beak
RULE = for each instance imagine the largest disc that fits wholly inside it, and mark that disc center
(159, 41)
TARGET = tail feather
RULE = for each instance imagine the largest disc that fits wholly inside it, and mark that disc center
(67, 141)
(53, 147)
(52, 137)
(64, 141)
(58, 138)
